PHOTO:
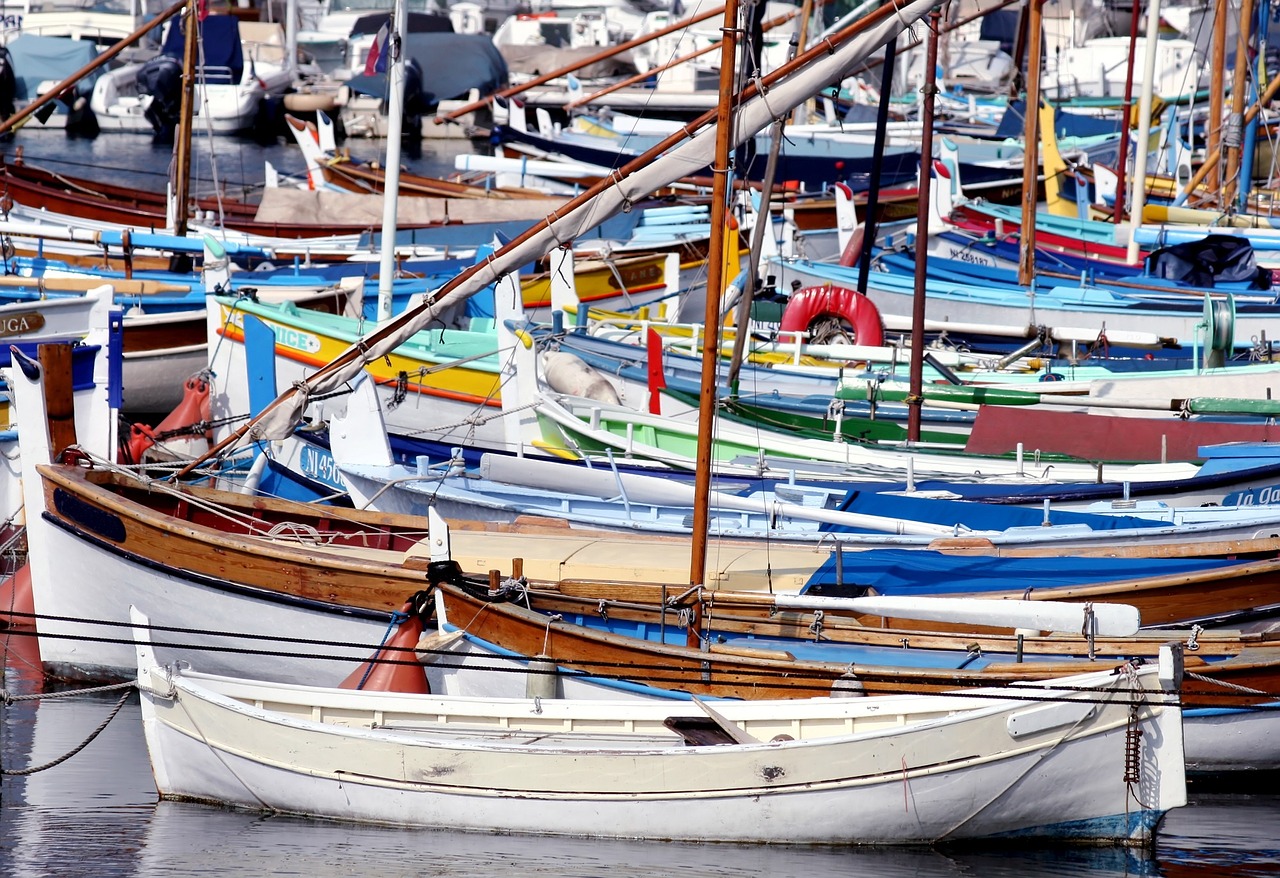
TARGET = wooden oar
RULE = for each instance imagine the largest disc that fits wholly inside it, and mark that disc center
(83, 284)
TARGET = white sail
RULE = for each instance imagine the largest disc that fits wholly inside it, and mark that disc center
(836, 58)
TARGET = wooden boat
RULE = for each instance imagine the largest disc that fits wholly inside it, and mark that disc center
(33, 186)
(993, 766)
(604, 639)
(740, 645)
(234, 572)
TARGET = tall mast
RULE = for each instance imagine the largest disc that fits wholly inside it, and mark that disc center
(391, 176)
(1122, 155)
(1239, 87)
(1144, 129)
(715, 288)
(182, 144)
(1031, 146)
(1217, 66)
(916, 372)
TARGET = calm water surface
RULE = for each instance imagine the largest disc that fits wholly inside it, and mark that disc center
(97, 814)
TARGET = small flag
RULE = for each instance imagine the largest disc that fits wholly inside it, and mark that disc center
(377, 60)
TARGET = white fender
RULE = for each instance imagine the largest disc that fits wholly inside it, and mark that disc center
(516, 116)
(945, 188)
(545, 126)
(566, 373)
(573, 89)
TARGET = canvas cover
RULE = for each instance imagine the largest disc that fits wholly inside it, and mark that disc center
(451, 65)
(37, 58)
(1213, 260)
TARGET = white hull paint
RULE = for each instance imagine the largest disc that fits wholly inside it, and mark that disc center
(914, 769)
(93, 587)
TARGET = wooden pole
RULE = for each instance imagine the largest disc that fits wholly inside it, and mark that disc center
(1239, 88)
(916, 377)
(1031, 146)
(26, 112)
(1144, 129)
(1217, 66)
(715, 288)
(577, 65)
(182, 144)
(1122, 159)
(55, 362)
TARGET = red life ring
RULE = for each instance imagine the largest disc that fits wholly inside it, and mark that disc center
(810, 307)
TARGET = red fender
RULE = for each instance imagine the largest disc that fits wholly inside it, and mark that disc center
(195, 408)
(16, 597)
(376, 676)
(811, 303)
(852, 251)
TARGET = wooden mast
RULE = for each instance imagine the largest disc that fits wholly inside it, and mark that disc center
(1031, 144)
(715, 288)
(1239, 87)
(182, 145)
(916, 372)
(1144, 130)
(1217, 66)
(1122, 155)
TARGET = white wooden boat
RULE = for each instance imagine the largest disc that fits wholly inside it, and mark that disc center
(999, 764)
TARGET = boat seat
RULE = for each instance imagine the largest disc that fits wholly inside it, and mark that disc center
(698, 731)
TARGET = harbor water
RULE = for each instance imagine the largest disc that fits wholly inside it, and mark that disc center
(232, 165)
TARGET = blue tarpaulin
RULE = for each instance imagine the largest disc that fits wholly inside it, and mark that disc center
(452, 65)
(37, 58)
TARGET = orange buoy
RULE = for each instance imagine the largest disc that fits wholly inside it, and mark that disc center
(394, 667)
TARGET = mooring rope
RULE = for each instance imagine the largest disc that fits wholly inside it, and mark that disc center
(9, 698)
